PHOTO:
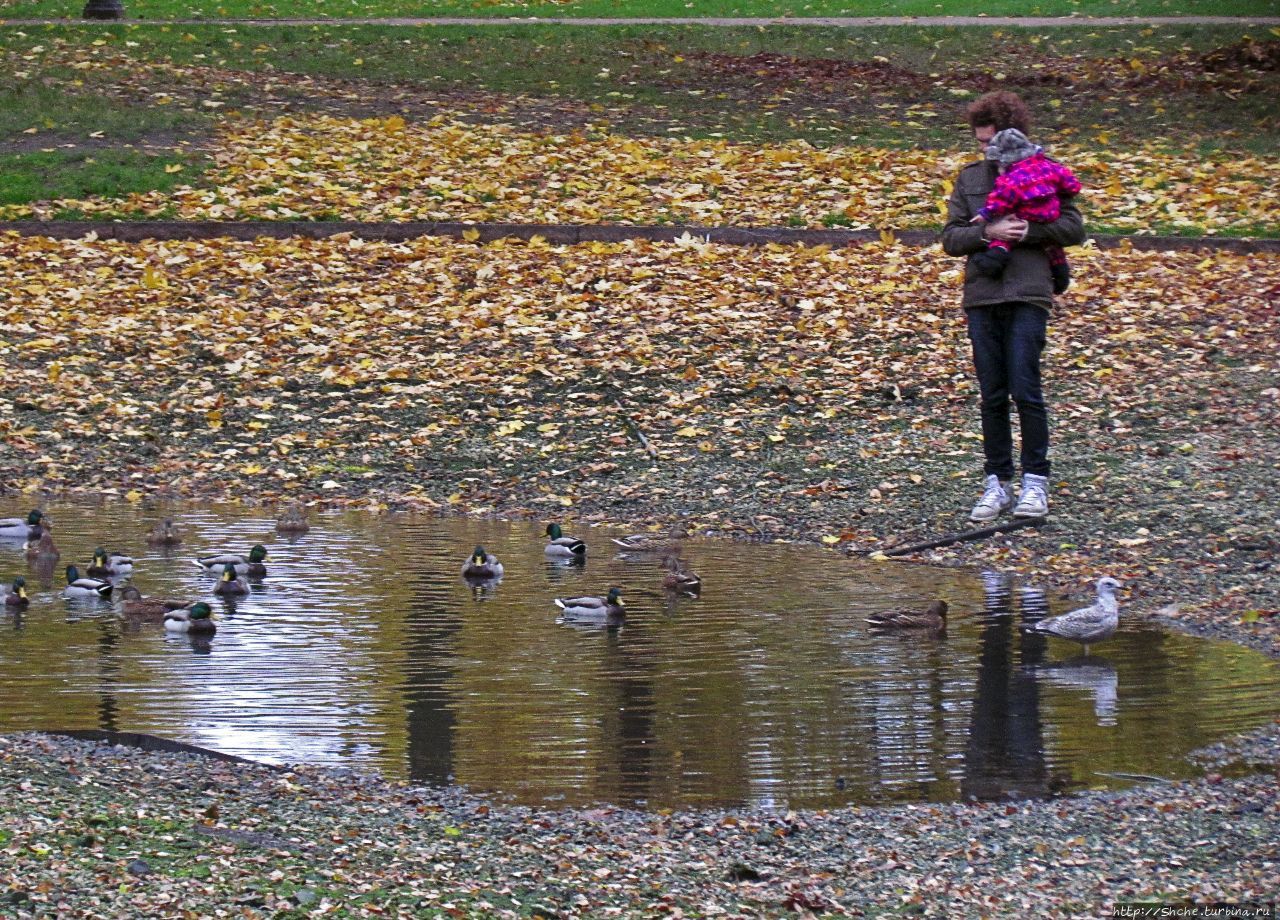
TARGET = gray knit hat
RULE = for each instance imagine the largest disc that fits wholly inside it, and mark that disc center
(1011, 146)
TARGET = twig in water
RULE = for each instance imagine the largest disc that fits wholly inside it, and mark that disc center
(1142, 776)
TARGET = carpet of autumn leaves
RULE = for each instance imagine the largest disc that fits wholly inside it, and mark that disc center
(320, 166)
(803, 392)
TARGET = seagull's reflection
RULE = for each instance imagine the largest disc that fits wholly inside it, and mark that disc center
(1090, 673)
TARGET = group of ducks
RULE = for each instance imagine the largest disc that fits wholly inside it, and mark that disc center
(234, 570)
(1087, 625)
(608, 609)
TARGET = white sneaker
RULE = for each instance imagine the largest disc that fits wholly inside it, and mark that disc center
(1034, 499)
(994, 502)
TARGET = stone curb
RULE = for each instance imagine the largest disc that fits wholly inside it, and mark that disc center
(562, 234)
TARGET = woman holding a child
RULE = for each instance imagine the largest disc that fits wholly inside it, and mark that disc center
(1011, 214)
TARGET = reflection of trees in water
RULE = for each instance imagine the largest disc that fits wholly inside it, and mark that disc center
(432, 625)
(904, 743)
(625, 770)
(108, 674)
(1005, 754)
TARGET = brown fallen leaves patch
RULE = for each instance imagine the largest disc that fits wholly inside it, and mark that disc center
(804, 391)
(529, 344)
(443, 169)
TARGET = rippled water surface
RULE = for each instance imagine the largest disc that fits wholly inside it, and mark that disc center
(363, 646)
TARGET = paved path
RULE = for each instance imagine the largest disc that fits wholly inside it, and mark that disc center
(839, 22)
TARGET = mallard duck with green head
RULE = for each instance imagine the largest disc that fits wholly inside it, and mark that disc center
(253, 564)
(153, 608)
(231, 582)
(85, 587)
(27, 528)
(933, 618)
(109, 565)
(608, 610)
(42, 548)
(482, 564)
(17, 596)
(164, 534)
(198, 618)
(563, 547)
(293, 520)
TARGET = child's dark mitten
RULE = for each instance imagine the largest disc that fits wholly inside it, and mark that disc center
(1061, 277)
(991, 262)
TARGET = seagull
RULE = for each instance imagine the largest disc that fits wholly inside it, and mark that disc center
(1089, 624)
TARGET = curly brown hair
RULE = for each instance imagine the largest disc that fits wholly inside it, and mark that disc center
(1000, 110)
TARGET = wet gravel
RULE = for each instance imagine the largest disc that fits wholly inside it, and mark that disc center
(92, 830)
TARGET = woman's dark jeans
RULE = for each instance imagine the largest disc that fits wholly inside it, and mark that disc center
(1007, 339)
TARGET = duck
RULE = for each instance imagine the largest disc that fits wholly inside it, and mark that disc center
(1088, 625)
(482, 565)
(84, 587)
(294, 520)
(608, 610)
(135, 605)
(933, 618)
(164, 534)
(250, 565)
(231, 582)
(108, 565)
(563, 547)
(27, 528)
(651, 543)
(680, 578)
(198, 618)
(42, 547)
(17, 596)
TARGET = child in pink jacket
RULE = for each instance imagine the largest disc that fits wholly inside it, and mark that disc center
(1030, 186)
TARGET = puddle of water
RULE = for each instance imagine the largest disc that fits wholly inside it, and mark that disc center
(364, 647)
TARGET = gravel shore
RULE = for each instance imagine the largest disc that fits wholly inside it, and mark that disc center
(96, 830)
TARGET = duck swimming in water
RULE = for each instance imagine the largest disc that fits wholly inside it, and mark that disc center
(164, 534)
(932, 618)
(482, 564)
(17, 596)
(198, 618)
(608, 610)
(231, 582)
(253, 564)
(27, 528)
(85, 587)
(563, 547)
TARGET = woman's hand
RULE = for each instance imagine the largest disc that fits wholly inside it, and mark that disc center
(1008, 228)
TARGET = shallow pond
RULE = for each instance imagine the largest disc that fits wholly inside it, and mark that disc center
(364, 647)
